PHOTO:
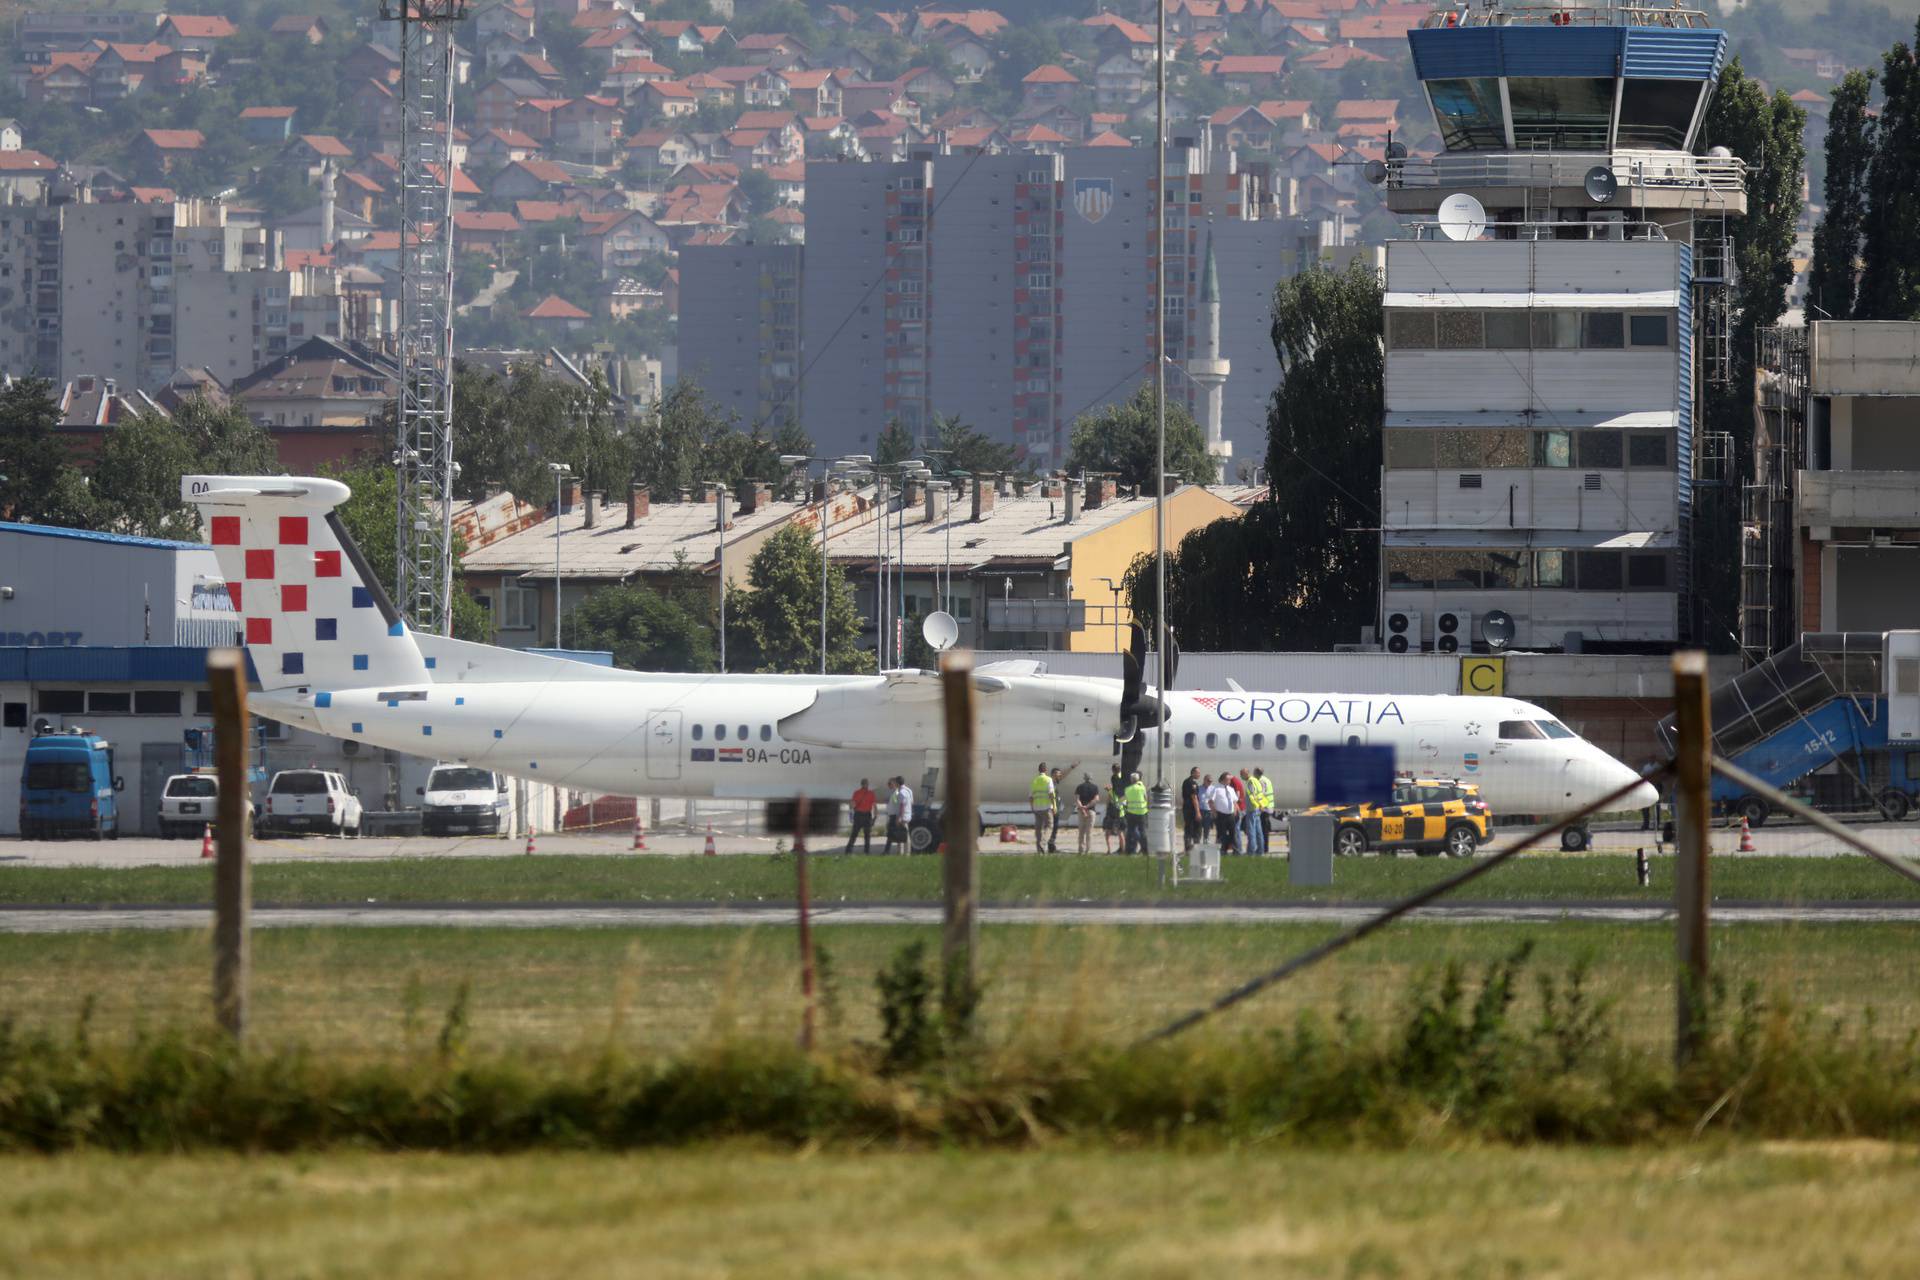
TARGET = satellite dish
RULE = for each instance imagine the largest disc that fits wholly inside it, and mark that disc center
(1719, 153)
(1497, 629)
(1375, 171)
(1601, 184)
(1396, 151)
(1462, 217)
(939, 630)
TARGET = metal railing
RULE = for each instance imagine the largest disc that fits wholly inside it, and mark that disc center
(1553, 15)
(1657, 170)
(1553, 230)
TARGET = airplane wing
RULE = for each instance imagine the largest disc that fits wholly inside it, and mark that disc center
(900, 710)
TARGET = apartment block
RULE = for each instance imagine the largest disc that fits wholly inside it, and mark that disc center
(740, 328)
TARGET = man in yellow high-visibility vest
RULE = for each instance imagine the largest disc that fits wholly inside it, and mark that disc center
(1042, 795)
(1135, 801)
(1263, 803)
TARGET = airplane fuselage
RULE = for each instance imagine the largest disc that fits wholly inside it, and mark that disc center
(724, 736)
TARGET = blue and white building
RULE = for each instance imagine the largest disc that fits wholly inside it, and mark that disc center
(1546, 343)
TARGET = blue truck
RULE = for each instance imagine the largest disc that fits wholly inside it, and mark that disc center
(69, 788)
(1835, 718)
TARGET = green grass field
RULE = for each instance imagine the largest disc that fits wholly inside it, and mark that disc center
(754, 878)
(367, 991)
(1752, 1211)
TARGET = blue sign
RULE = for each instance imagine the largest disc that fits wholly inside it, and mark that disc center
(1351, 774)
(41, 639)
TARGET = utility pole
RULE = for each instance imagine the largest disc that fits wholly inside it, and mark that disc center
(423, 414)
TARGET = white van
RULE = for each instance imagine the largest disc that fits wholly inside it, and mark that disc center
(460, 798)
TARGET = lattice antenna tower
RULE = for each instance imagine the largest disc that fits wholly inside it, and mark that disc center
(423, 453)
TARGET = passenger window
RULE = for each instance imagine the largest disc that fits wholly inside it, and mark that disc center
(719, 733)
(766, 733)
(1213, 740)
(1353, 740)
(1303, 742)
(1258, 740)
(742, 733)
(698, 732)
(1519, 730)
(1189, 740)
(1233, 742)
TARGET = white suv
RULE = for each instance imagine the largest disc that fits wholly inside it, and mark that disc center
(309, 800)
(189, 803)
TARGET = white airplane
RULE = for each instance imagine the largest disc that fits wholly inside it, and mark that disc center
(333, 655)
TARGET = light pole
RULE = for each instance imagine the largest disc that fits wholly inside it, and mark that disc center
(560, 473)
(720, 522)
(1161, 827)
(847, 465)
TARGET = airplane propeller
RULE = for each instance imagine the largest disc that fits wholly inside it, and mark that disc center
(1137, 709)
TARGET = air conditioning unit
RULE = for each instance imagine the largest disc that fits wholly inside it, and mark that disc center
(1606, 224)
(1403, 631)
(1453, 631)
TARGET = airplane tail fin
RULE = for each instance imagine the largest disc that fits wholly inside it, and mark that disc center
(314, 614)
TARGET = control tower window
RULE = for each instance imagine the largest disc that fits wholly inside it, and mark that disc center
(1560, 113)
(1657, 113)
(1469, 114)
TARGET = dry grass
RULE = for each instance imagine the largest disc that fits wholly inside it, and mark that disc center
(659, 990)
(1746, 1211)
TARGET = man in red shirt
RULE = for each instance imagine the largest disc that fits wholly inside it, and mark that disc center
(862, 806)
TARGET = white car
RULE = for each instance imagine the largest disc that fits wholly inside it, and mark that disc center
(309, 800)
(190, 802)
(461, 798)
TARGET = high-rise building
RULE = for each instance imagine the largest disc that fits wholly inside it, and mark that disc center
(1548, 327)
(740, 328)
(1013, 292)
(133, 291)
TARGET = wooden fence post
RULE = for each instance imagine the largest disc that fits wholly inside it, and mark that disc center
(1693, 825)
(232, 892)
(959, 826)
(801, 811)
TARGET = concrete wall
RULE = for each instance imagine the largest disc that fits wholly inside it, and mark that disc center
(1886, 433)
(971, 362)
(1864, 357)
(726, 330)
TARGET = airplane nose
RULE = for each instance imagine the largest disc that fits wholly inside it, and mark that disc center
(1642, 796)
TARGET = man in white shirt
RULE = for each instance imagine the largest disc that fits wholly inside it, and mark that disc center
(1226, 814)
(899, 816)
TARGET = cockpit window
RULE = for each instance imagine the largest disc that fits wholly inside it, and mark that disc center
(1518, 730)
(1556, 730)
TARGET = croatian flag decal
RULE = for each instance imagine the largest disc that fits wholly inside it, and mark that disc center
(729, 755)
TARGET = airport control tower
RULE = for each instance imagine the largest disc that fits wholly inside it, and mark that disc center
(1551, 315)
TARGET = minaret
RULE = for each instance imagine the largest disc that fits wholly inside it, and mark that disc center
(326, 206)
(1209, 371)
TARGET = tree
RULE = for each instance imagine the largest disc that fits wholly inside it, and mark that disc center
(894, 445)
(1836, 241)
(368, 516)
(1119, 439)
(1298, 569)
(1890, 278)
(962, 448)
(136, 479)
(1767, 133)
(776, 624)
(756, 188)
(40, 486)
(647, 629)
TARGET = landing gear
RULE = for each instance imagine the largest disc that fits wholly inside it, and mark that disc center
(1576, 839)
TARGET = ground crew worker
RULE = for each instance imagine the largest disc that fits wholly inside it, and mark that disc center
(1136, 805)
(1059, 777)
(862, 808)
(1263, 809)
(1041, 795)
(1113, 822)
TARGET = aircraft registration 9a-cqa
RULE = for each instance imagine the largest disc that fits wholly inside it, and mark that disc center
(333, 655)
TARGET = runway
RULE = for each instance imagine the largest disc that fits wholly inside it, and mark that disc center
(548, 916)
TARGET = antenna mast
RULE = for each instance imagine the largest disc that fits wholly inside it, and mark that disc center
(423, 451)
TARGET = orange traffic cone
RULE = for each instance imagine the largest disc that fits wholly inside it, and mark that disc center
(206, 841)
(709, 850)
(530, 848)
(639, 832)
(1746, 836)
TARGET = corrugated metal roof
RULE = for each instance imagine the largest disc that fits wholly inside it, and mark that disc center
(1641, 420)
(1495, 300)
(89, 535)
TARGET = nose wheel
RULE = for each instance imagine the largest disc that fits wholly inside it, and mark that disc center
(1576, 839)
